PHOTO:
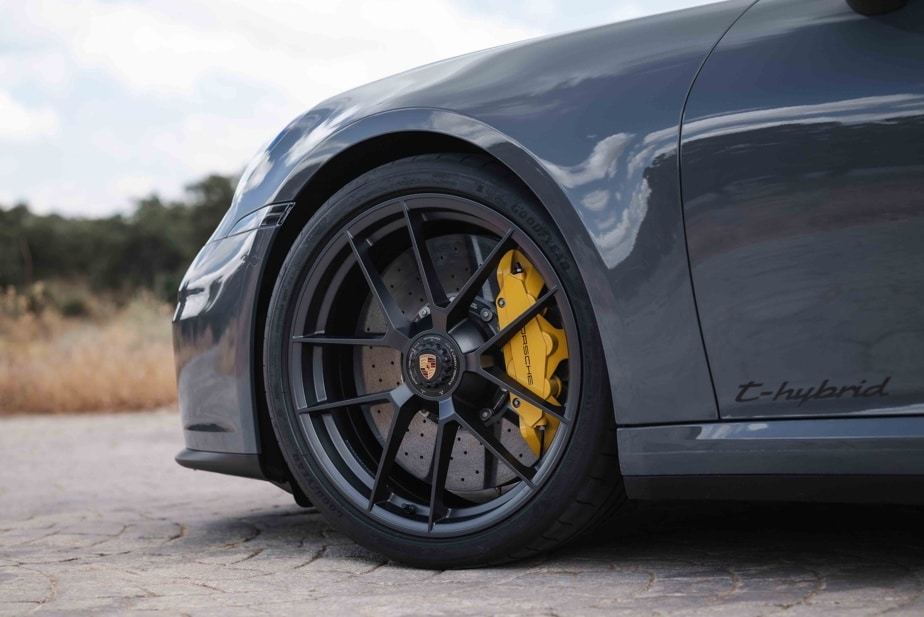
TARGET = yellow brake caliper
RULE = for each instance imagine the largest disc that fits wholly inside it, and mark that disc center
(534, 353)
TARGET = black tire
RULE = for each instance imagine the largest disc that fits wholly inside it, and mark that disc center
(380, 260)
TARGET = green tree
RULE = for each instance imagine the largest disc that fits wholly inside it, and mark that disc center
(149, 249)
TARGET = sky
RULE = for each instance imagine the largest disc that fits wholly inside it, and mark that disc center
(103, 102)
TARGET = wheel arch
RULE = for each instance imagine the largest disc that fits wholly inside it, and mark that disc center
(358, 149)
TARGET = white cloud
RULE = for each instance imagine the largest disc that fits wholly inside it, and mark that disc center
(74, 198)
(48, 69)
(110, 196)
(20, 123)
(627, 10)
(148, 52)
(108, 142)
(205, 143)
(8, 165)
(135, 186)
(308, 50)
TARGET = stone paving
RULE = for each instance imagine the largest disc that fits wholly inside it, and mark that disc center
(97, 519)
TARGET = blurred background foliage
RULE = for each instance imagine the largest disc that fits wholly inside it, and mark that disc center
(147, 250)
(85, 304)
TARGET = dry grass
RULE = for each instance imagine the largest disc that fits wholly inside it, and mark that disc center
(112, 359)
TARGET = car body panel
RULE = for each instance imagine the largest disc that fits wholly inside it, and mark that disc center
(803, 185)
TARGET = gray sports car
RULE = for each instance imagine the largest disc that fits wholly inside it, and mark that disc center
(472, 310)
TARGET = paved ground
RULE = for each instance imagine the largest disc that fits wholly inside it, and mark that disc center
(95, 518)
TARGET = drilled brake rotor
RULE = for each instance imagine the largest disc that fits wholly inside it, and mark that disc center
(472, 469)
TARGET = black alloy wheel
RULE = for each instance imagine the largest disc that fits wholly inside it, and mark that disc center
(390, 371)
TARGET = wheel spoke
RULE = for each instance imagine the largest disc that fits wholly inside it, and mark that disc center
(489, 479)
(364, 399)
(375, 340)
(436, 295)
(439, 467)
(475, 257)
(510, 414)
(406, 406)
(397, 321)
(490, 441)
(503, 380)
(508, 331)
(472, 286)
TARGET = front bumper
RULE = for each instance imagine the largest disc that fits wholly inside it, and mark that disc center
(213, 339)
(243, 465)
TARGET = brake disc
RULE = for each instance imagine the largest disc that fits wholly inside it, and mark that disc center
(472, 470)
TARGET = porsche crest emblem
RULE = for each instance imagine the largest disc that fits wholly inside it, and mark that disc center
(427, 364)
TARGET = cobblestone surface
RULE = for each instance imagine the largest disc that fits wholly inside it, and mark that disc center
(96, 518)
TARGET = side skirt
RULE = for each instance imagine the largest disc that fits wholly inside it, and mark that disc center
(843, 459)
(832, 489)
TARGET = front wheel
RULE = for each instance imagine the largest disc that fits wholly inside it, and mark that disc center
(432, 368)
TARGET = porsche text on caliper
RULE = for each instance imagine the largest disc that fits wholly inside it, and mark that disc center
(534, 353)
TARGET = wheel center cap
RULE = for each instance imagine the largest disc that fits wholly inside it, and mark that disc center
(432, 365)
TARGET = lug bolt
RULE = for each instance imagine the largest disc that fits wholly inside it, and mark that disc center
(516, 402)
(485, 414)
(501, 302)
(486, 314)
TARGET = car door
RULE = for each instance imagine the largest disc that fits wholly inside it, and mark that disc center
(802, 174)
